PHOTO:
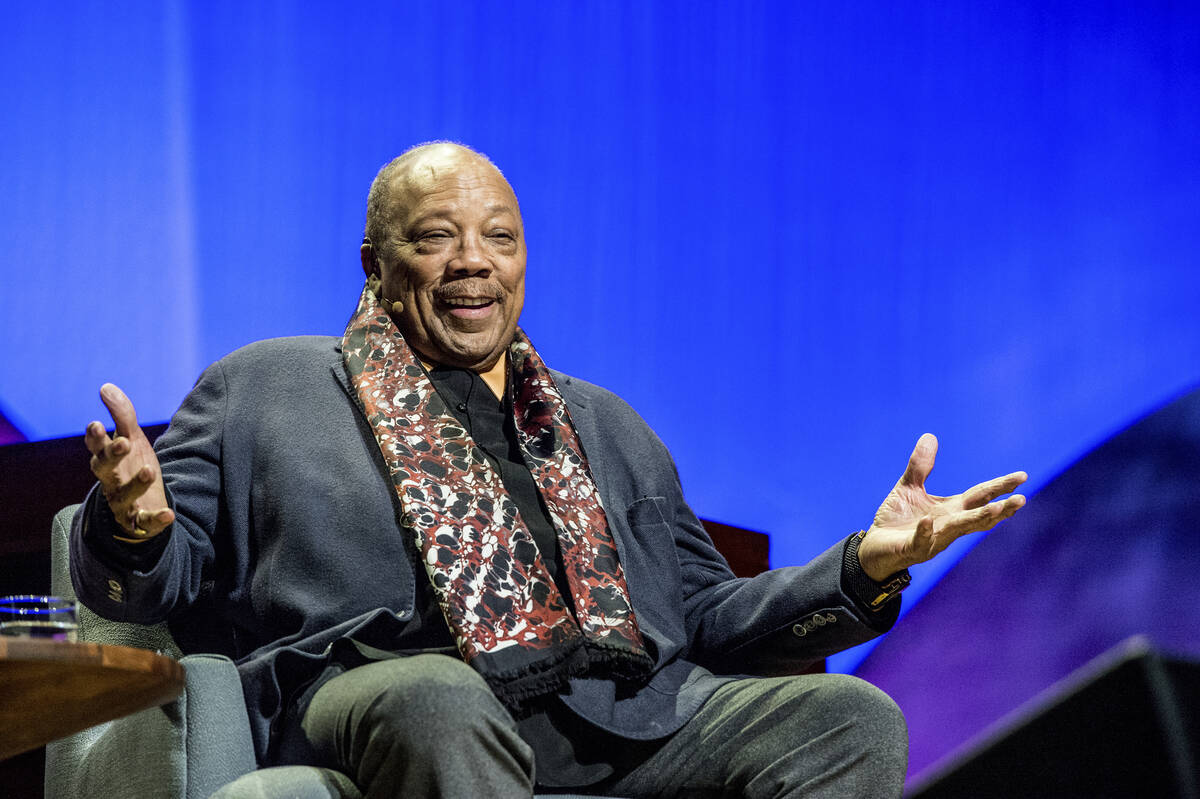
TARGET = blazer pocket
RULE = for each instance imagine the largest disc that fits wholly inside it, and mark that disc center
(653, 576)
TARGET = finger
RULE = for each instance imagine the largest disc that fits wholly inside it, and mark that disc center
(984, 493)
(106, 462)
(122, 496)
(137, 484)
(151, 522)
(984, 518)
(105, 473)
(95, 438)
(922, 541)
(920, 463)
(146, 524)
(121, 409)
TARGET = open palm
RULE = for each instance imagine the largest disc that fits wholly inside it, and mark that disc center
(912, 525)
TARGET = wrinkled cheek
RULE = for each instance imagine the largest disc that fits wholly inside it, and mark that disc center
(416, 326)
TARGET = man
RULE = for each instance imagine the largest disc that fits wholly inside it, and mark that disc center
(447, 570)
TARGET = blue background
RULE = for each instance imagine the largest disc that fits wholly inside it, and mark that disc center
(794, 236)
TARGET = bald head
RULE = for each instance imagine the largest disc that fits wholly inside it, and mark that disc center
(403, 177)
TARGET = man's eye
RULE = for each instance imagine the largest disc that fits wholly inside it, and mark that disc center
(432, 241)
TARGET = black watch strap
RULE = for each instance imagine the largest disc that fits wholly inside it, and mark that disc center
(874, 594)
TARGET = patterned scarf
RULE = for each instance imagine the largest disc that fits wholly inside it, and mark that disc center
(507, 616)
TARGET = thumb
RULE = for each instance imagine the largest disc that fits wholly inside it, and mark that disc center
(121, 410)
(920, 463)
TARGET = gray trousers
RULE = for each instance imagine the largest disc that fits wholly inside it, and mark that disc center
(428, 726)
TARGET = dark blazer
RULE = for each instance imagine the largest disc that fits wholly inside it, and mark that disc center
(288, 537)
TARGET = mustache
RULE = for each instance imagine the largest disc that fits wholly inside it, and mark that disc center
(469, 288)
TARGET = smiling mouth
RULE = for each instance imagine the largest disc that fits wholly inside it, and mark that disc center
(469, 309)
(468, 302)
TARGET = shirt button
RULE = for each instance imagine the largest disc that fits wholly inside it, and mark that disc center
(462, 406)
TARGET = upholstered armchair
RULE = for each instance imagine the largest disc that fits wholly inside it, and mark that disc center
(197, 747)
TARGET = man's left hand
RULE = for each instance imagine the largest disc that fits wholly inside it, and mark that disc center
(911, 526)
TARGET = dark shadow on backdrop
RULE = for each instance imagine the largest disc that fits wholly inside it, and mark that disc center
(1109, 549)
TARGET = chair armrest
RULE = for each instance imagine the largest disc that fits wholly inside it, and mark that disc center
(139, 755)
(187, 748)
(218, 743)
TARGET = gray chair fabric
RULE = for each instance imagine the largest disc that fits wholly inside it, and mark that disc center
(188, 749)
(197, 747)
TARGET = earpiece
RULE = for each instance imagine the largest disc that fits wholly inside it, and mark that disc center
(394, 306)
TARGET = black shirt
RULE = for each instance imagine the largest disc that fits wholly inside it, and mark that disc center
(489, 422)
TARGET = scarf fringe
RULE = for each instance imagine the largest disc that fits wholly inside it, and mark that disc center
(519, 689)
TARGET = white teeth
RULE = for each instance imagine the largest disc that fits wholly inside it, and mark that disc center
(467, 302)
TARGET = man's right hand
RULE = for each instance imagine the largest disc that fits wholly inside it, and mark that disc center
(128, 470)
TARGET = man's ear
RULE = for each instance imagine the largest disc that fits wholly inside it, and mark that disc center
(366, 254)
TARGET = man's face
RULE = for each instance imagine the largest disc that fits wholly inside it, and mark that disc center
(456, 259)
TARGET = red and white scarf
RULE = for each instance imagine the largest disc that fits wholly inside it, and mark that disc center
(507, 616)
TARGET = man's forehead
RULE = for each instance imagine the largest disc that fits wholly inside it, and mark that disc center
(436, 163)
(425, 178)
(431, 173)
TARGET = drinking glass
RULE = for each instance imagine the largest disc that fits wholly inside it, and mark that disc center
(31, 616)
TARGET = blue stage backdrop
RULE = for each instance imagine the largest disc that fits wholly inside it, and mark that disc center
(795, 236)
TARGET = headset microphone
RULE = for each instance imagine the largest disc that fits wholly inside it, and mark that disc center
(394, 306)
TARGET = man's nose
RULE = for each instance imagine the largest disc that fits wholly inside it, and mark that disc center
(471, 259)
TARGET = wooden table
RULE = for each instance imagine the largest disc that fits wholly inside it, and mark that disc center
(50, 689)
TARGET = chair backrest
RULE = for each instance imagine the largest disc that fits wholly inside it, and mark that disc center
(92, 627)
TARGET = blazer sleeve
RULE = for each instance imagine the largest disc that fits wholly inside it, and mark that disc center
(777, 622)
(143, 583)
